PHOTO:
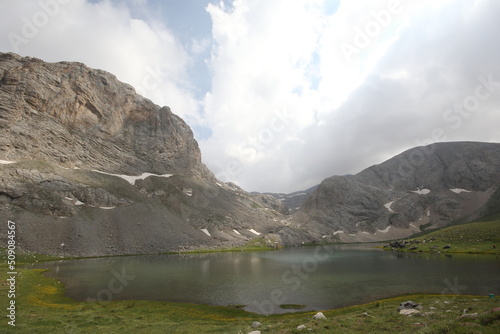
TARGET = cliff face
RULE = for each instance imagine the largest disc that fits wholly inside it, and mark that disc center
(88, 167)
(75, 116)
(425, 187)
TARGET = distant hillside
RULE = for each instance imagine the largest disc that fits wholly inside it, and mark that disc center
(424, 187)
(293, 201)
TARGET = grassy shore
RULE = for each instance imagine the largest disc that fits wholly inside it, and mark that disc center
(477, 237)
(41, 307)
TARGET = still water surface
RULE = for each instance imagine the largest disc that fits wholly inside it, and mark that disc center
(321, 277)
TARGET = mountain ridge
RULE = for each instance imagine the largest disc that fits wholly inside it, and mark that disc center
(76, 137)
(446, 182)
(90, 168)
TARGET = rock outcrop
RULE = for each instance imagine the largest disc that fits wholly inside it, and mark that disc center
(74, 116)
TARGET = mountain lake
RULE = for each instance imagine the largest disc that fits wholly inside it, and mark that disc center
(269, 282)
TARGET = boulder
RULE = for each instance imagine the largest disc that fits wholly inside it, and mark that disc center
(256, 324)
(408, 312)
(319, 316)
(408, 305)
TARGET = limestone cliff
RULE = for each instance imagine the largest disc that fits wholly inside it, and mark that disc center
(75, 116)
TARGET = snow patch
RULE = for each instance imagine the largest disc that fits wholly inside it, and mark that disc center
(238, 233)
(388, 206)
(131, 179)
(79, 203)
(107, 207)
(385, 230)
(428, 213)
(458, 191)
(421, 191)
(337, 232)
(254, 231)
(365, 232)
(188, 191)
(6, 162)
(204, 230)
(299, 194)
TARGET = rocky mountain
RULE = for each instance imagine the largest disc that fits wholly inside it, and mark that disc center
(88, 168)
(293, 201)
(424, 187)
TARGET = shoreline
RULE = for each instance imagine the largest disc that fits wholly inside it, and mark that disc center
(42, 302)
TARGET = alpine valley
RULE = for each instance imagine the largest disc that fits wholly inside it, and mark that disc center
(90, 168)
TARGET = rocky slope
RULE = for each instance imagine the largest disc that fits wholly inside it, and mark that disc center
(425, 187)
(293, 201)
(88, 167)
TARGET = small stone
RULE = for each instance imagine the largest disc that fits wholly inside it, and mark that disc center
(301, 327)
(256, 324)
(408, 312)
(432, 308)
(472, 315)
(319, 316)
(255, 332)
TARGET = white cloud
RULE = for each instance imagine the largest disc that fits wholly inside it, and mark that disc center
(412, 61)
(297, 93)
(261, 86)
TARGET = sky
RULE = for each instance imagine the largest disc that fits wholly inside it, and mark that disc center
(281, 94)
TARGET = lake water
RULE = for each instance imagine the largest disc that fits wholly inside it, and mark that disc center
(321, 277)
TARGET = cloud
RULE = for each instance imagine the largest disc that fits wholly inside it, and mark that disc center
(410, 62)
(261, 82)
(292, 91)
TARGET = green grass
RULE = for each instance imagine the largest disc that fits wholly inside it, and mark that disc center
(42, 308)
(477, 237)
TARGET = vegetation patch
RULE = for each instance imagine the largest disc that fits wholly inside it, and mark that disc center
(477, 237)
(292, 306)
